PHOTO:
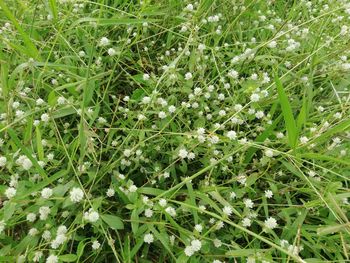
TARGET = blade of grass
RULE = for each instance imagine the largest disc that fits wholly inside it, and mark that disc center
(290, 124)
(31, 50)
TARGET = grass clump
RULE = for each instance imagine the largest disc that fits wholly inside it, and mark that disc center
(174, 131)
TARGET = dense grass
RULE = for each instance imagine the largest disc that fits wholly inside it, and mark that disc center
(174, 131)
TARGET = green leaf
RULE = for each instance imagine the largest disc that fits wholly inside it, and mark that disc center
(287, 114)
(113, 221)
(16, 140)
(30, 49)
(39, 145)
(68, 258)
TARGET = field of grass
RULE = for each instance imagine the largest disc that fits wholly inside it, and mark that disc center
(174, 131)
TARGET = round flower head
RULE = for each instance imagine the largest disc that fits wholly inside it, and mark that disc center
(46, 193)
(52, 259)
(270, 223)
(10, 192)
(148, 238)
(76, 195)
(95, 245)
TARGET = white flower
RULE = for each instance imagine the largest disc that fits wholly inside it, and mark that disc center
(111, 52)
(37, 256)
(148, 212)
(46, 235)
(198, 228)
(189, 251)
(104, 41)
(31, 217)
(148, 238)
(248, 203)
(52, 259)
(145, 77)
(59, 240)
(146, 100)
(2, 226)
(25, 162)
(304, 139)
(127, 152)
(189, 7)
(44, 211)
(188, 76)
(10, 192)
(217, 261)
(110, 192)
(196, 245)
(246, 222)
(183, 153)
(61, 230)
(46, 193)
(217, 242)
(162, 202)
(76, 195)
(201, 47)
(255, 97)
(232, 135)
(91, 216)
(227, 210)
(95, 245)
(132, 188)
(233, 74)
(172, 109)
(270, 223)
(269, 153)
(162, 115)
(171, 211)
(272, 44)
(81, 53)
(233, 195)
(3, 161)
(268, 193)
(45, 117)
(33, 231)
(61, 100)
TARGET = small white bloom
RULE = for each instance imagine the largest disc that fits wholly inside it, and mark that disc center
(269, 153)
(104, 41)
(189, 251)
(270, 223)
(198, 228)
(111, 52)
(146, 77)
(76, 195)
(52, 259)
(148, 212)
(3, 161)
(248, 203)
(10, 192)
(162, 202)
(171, 211)
(31, 217)
(148, 238)
(268, 194)
(246, 222)
(183, 153)
(46, 193)
(188, 76)
(232, 135)
(255, 97)
(162, 115)
(95, 245)
(196, 245)
(45, 117)
(227, 210)
(110, 192)
(91, 216)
